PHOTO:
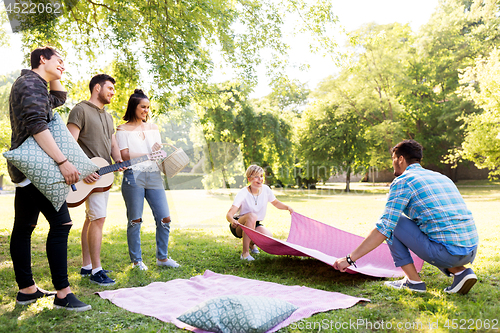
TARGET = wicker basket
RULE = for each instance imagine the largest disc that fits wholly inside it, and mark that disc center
(173, 163)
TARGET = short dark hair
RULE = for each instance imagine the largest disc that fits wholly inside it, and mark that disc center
(133, 101)
(411, 150)
(100, 79)
(46, 51)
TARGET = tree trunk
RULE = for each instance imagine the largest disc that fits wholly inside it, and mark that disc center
(224, 178)
(348, 179)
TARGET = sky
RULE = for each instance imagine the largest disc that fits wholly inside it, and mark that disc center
(352, 15)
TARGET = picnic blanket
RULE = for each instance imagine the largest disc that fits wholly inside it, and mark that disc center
(168, 300)
(311, 238)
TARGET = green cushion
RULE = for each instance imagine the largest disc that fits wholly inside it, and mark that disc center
(42, 170)
(238, 313)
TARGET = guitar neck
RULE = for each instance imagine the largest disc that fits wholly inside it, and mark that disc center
(124, 164)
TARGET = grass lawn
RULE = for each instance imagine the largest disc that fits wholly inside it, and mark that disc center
(200, 240)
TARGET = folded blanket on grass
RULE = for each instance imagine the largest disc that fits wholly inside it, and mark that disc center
(168, 300)
(311, 238)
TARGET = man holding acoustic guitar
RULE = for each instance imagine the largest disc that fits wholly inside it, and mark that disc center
(92, 126)
(30, 108)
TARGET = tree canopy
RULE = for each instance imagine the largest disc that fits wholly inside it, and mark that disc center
(178, 39)
(481, 84)
(406, 85)
(438, 86)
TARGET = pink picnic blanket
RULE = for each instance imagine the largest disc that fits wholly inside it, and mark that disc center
(168, 300)
(311, 238)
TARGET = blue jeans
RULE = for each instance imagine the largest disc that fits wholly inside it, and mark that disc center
(408, 236)
(136, 187)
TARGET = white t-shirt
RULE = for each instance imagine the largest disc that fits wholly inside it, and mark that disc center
(248, 203)
(139, 144)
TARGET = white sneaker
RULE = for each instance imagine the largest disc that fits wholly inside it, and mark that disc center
(255, 250)
(249, 258)
(141, 266)
(169, 263)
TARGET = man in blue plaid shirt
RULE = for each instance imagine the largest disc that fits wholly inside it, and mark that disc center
(426, 214)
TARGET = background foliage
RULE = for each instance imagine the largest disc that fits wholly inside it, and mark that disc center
(436, 85)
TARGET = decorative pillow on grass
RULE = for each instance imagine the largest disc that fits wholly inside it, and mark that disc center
(238, 313)
(42, 170)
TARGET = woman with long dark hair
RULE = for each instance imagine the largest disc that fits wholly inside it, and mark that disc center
(138, 137)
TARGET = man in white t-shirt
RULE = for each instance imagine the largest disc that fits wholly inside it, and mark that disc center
(251, 205)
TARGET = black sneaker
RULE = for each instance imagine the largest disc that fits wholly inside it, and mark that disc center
(101, 279)
(24, 299)
(462, 283)
(88, 272)
(71, 303)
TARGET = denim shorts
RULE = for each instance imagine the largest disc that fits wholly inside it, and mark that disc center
(233, 230)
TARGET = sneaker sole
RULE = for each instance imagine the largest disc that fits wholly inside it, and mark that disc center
(80, 309)
(138, 268)
(31, 300)
(26, 302)
(404, 288)
(161, 264)
(103, 284)
(464, 286)
(89, 274)
(168, 266)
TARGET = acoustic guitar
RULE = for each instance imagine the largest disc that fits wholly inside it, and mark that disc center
(82, 190)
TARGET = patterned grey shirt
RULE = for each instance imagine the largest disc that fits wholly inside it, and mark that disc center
(30, 109)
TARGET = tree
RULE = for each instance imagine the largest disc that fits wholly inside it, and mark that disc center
(4, 38)
(457, 32)
(177, 38)
(228, 120)
(332, 136)
(356, 116)
(265, 139)
(482, 134)
(368, 85)
(5, 130)
(288, 95)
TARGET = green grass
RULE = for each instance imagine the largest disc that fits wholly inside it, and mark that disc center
(200, 240)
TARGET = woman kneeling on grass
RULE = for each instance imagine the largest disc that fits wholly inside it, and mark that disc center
(136, 138)
(251, 202)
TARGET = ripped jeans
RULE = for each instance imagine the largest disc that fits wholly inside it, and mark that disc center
(136, 187)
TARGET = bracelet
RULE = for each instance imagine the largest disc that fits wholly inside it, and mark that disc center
(350, 261)
(62, 162)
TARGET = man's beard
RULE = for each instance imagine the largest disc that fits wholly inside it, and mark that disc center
(102, 98)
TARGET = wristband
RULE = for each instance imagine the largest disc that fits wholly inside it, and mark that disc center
(350, 261)
(62, 162)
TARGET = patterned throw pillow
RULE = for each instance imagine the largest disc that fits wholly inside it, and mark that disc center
(42, 170)
(238, 313)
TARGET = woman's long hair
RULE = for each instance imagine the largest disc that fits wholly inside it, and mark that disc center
(133, 101)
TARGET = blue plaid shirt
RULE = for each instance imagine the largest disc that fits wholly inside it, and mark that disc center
(431, 200)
